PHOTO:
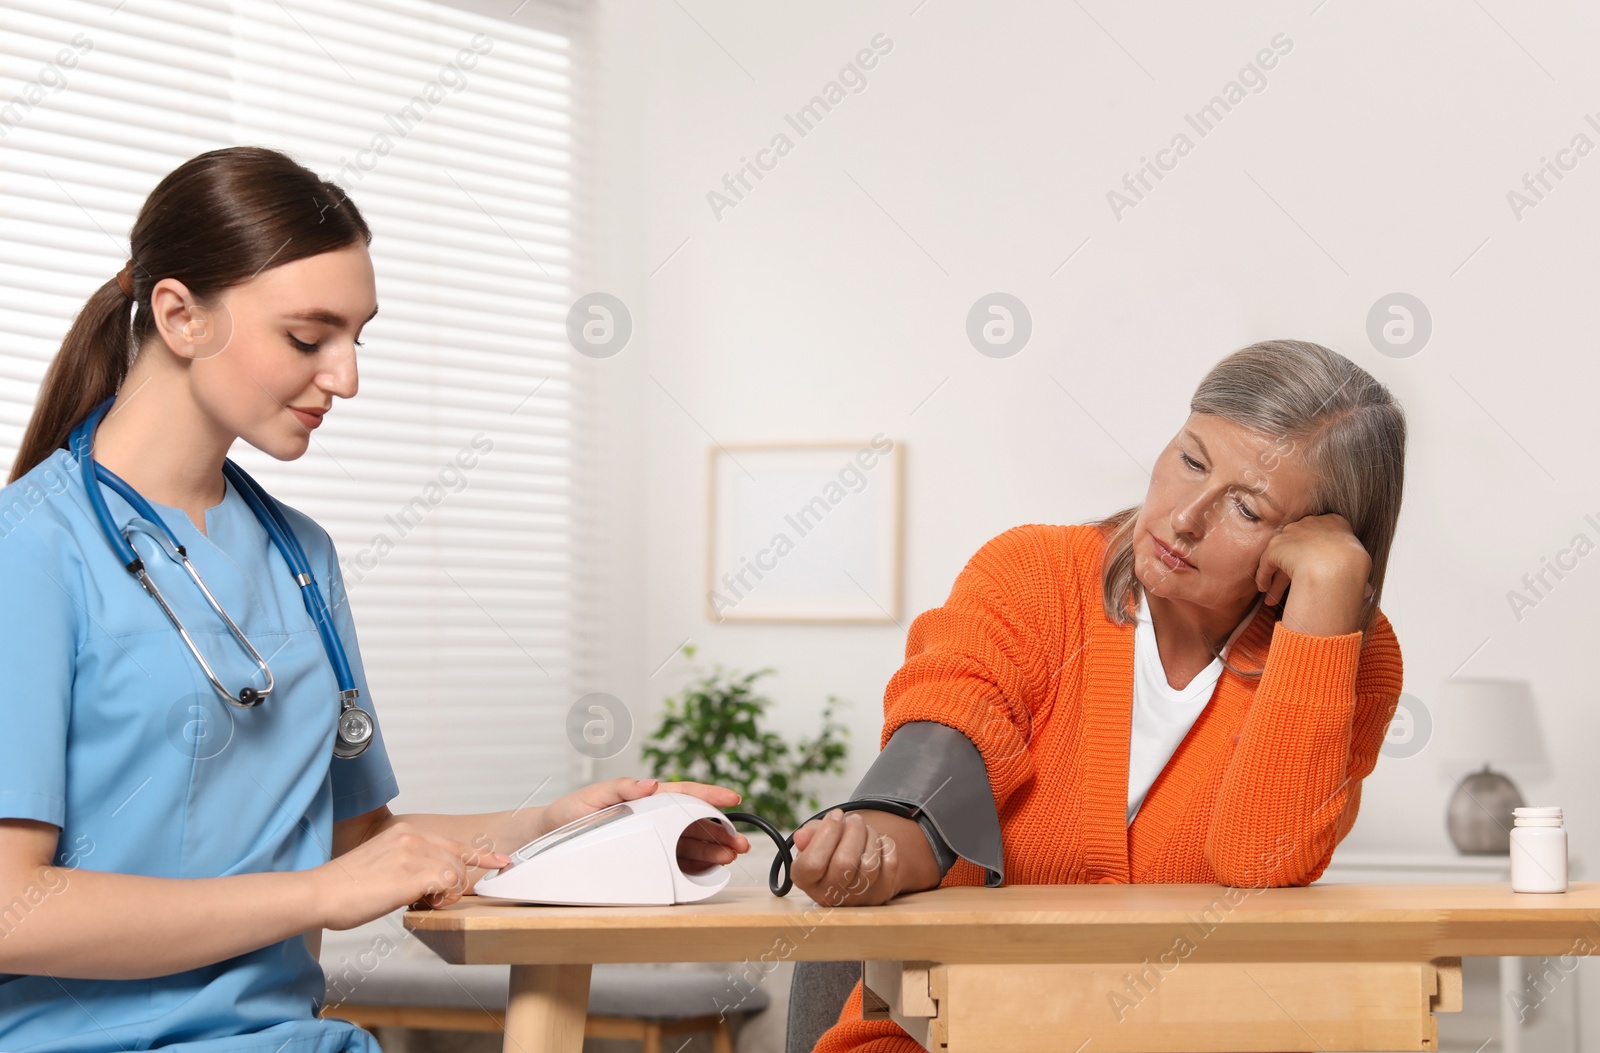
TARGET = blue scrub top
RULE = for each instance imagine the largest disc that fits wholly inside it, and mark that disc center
(112, 733)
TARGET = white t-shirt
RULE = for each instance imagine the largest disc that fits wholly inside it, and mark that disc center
(1162, 714)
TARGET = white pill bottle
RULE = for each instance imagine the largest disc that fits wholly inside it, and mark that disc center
(1538, 850)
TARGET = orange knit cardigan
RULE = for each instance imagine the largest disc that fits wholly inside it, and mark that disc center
(1024, 661)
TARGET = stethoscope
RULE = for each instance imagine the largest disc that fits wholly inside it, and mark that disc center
(355, 723)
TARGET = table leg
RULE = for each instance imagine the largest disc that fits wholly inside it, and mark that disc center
(546, 1008)
(1512, 994)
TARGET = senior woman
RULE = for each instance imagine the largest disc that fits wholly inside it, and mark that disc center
(1189, 691)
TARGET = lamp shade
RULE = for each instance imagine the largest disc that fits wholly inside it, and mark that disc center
(1493, 722)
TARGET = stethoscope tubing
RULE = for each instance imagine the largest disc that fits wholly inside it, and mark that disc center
(355, 728)
(283, 537)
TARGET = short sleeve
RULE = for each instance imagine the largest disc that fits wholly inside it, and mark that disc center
(365, 782)
(39, 635)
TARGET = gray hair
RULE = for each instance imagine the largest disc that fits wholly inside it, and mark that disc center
(1348, 426)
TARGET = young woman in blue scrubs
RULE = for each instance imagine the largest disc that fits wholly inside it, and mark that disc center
(167, 860)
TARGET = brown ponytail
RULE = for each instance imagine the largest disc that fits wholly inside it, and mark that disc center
(214, 222)
(87, 370)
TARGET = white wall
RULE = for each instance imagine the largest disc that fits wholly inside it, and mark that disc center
(831, 301)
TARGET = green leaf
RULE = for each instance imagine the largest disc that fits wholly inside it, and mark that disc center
(711, 732)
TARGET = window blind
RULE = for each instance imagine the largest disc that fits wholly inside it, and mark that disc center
(454, 483)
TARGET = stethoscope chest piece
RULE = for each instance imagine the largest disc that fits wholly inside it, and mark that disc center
(355, 727)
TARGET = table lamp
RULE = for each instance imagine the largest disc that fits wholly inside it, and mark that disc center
(1483, 723)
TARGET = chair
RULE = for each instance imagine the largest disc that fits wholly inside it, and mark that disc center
(816, 996)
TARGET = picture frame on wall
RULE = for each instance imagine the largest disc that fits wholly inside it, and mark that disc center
(806, 532)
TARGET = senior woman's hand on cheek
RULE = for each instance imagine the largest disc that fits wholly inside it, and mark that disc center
(844, 860)
(703, 845)
(1330, 571)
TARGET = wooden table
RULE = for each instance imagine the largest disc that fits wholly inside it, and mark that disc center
(1496, 1017)
(1130, 967)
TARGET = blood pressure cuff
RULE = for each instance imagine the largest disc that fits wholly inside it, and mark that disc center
(937, 770)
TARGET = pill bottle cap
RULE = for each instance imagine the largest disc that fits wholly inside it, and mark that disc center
(1536, 816)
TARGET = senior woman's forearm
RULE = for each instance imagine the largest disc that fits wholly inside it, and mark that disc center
(1327, 605)
(918, 870)
(1292, 774)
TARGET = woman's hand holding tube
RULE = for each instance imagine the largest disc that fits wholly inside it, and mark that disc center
(862, 858)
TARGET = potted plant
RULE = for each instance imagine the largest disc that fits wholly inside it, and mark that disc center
(711, 732)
